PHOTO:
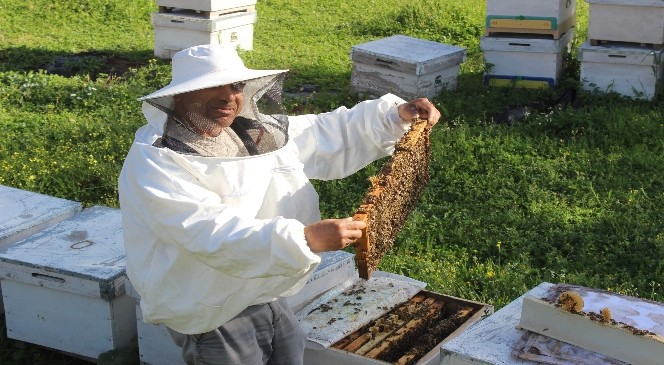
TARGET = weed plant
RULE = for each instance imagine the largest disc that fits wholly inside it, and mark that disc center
(569, 193)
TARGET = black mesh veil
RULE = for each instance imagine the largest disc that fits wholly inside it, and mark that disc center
(261, 124)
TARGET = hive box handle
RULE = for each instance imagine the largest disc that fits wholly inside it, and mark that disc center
(47, 277)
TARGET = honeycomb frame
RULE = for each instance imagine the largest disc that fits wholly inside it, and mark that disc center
(392, 196)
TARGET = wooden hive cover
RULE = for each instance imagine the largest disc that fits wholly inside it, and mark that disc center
(24, 213)
(392, 196)
(83, 255)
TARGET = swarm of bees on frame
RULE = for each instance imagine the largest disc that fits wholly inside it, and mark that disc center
(392, 196)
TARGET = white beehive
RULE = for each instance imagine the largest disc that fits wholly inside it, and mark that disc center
(182, 29)
(553, 17)
(635, 21)
(405, 66)
(63, 287)
(207, 5)
(314, 355)
(491, 341)
(631, 329)
(24, 213)
(525, 60)
(156, 347)
(632, 71)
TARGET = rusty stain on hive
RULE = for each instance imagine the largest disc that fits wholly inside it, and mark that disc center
(392, 196)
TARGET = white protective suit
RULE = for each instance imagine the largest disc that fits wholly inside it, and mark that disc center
(206, 237)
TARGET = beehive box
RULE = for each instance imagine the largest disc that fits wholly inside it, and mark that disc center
(490, 342)
(526, 57)
(533, 16)
(625, 328)
(405, 66)
(63, 287)
(207, 5)
(631, 71)
(156, 347)
(410, 332)
(182, 29)
(25, 213)
(335, 268)
(636, 21)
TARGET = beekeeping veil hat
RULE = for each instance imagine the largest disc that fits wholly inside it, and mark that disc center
(206, 66)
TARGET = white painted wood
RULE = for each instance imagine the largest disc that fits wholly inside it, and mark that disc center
(335, 268)
(155, 346)
(631, 71)
(24, 213)
(206, 5)
(526, 55)
(69, 322)
(178, 30)
(64, 286)
(490, 341)
(82, 255)
(612, 340)
(638, 21)
(559, 9)
(405, 66)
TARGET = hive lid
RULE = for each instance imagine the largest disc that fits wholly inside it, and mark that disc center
(88, 246)
(24, 213)
(206, 5)
(345, 309)
(424, 56)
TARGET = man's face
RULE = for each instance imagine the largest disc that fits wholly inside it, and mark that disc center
(208, 111)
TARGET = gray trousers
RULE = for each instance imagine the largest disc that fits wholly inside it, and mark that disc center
(265, 334)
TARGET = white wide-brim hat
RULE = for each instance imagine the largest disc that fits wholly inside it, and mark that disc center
(206, 66)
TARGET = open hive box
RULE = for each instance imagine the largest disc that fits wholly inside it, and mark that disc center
(621, 327)
(384, 318)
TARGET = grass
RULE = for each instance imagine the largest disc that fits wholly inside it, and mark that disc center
(567, 194)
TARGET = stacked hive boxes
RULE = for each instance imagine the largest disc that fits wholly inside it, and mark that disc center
(525, 43)
(623, 52)
(180, 24)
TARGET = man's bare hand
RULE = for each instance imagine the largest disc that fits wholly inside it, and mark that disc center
(420, 108)
(333, 234)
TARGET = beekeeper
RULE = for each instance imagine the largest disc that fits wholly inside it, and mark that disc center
(220, 220)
